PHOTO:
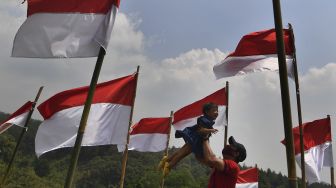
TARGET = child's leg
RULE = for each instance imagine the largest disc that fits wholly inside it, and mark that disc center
(179, 155)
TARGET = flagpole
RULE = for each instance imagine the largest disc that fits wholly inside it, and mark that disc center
(84, 118)
(292, 179)
(125, 154)
(21, 136)
(168, 139)
(332, 175)
(298, 102)
(226, 113)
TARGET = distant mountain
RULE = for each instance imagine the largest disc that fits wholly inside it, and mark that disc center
(99, 167)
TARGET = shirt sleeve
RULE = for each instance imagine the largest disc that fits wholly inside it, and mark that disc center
(231, 167)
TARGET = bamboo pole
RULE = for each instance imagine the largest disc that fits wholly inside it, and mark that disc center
(21, 136)
(285, 96)
(168, 139)
(84, 118)
(125, 153)
(332, 175)
(298, 103)
(226, 113)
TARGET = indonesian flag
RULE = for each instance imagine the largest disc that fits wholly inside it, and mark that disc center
(187, 116)
(19, 117)
(317, 146)
(107, 123)
(65, 28)
(248, 178)
(150, 135)
(255, 52)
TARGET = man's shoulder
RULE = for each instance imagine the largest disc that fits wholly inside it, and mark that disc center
(231, 166)
(231, 162)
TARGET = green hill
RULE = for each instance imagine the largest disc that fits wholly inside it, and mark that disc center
(100, 167)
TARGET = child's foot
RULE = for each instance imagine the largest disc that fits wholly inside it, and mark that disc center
(162, 162)
(166, 169)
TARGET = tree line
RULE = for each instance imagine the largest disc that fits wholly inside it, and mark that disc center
(100, 167)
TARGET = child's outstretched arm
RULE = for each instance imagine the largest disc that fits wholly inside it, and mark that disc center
(206, 131)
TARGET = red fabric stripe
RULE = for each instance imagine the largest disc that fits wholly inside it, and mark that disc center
(118, 91)
(314, 133)
(248, 176)
(262, 43)
(25, 108)
(70, 6)
(151, 125)
(195, 109)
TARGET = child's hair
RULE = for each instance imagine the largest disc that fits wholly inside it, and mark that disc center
(208, 106)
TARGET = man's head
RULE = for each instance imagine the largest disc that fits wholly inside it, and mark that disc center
(210, 109)
(235, 150)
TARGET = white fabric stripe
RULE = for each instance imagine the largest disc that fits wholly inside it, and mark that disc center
(247, 185)
(19, 120)
(48, 35)
(107, 124)
(154, 142)
(220, 121)
(103, 34)
(234, 66)
(315, 158)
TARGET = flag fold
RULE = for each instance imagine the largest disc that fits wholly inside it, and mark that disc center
(107, 123)
(150, 135)
(255, 52)
(65, 28)
(248, 178)
(19, 117)
(317, 147)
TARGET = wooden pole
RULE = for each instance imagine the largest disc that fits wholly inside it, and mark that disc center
(287, 117)
(298, 103)
(332, 175)
(226, 113)
(84, 118)
(21, 136)
(168, 139)
(125, 154)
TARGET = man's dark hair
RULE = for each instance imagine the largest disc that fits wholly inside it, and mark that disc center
(208, 106)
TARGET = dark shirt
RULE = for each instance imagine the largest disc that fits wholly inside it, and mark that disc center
(193, 137)
(205, 122)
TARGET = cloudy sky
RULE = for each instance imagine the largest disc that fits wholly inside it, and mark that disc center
(176, 44)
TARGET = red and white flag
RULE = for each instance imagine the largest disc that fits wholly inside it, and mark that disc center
(65, 28)
(107, 123)
(187, 116)
(317, 147)
(255, 52)
(19, 117)
(150, 135)
(248, 178)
